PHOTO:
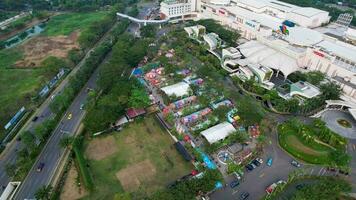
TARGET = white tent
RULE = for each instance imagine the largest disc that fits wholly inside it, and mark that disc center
(218, 132)
(178, 89)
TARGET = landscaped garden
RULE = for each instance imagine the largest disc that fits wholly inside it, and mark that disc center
(344, 123)
(139, 159)
(313, 143)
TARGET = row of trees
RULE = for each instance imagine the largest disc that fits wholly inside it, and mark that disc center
(118, 91)
(191, 188)
(325, 188)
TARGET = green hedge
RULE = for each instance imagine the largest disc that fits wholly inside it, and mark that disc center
(82, 164)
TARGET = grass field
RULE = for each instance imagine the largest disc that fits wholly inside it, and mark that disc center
(311, 152)
(139, 158)
(65, 24)
(16, 86)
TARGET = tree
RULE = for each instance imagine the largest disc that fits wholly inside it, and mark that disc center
(139, 98)
(44, 193)
(330, 91)
(10, 169)
(66, 141)
(28, 139)
(148, 31)
(221, 112)
(340, 158)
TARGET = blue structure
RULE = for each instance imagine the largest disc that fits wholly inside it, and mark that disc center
(209, 164)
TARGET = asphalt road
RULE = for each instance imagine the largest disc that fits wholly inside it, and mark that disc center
(52, 152)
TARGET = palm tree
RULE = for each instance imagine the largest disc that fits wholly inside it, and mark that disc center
(44, 193)
(66, 141)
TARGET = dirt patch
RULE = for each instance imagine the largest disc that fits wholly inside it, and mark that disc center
(70, 188)
(132, 176)
(101, 148)
(38, 48)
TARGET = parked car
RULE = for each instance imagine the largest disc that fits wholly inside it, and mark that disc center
(269, 161)
(253, 165)
(244, 196)
(259, 160)
(331, 169)
(40, 167)
(237, 175)
(255, 162)
(295, 163)
(234, 184)
(249, 167)
(35, 118)
(81, 106)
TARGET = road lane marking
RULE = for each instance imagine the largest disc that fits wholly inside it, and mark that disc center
(353, 146)
(262, 175)
(311, 171)
(234, 192)
(320, 171)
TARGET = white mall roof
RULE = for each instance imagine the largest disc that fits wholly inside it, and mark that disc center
(218, 132)
(257, 53)
(340, 49)
(303, 36)
(178, 89)
(308, 11)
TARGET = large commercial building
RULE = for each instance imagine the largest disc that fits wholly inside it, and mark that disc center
(283, 37)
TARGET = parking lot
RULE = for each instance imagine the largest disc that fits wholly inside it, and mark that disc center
(256, 181)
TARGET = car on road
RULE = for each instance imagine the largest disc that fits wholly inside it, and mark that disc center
(234, 184)
(244, 196)
(81, 106)
(35, 118)
(295, 163)
(40, 166)
(69, 116)
(269, 161)
(273, 186)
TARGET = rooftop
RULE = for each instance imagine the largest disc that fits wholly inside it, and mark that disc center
(178, 89)
(218, 132)
(340, 49)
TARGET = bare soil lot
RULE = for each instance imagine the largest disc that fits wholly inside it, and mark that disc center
(101, 148)
(70, 188)
(39, 48)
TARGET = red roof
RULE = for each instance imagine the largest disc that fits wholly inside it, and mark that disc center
(134, 112)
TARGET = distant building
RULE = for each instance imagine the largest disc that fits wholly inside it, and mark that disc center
(286, 38)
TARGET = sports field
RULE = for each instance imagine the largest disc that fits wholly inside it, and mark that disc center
(139, 159)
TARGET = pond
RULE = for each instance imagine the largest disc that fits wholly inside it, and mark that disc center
(20, 37)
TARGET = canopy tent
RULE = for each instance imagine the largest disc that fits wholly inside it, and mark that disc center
(218, 132)
(178, 89)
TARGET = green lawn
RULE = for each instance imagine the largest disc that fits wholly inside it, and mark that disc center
(16, 86)
(311, 151)
(65, 24)
(138, 142)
